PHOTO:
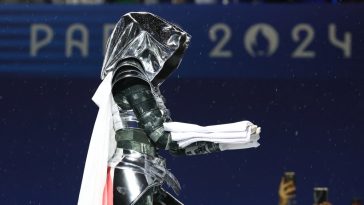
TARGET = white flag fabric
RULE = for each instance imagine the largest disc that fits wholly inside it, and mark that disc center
(102, 146)
(186, 127)
(238, 135)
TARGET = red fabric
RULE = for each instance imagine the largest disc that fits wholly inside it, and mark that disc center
(107, 198)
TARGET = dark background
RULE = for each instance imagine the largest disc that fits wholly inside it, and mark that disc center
(311, 125)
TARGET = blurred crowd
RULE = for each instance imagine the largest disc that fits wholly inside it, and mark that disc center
(223, 2)
(287, 192)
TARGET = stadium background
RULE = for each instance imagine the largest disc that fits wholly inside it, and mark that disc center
(295, 70)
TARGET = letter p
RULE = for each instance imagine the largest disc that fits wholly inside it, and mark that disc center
(35, 42)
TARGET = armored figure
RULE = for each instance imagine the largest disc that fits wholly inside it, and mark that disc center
(142, 52)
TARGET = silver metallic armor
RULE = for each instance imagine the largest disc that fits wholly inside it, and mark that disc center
(142, 52)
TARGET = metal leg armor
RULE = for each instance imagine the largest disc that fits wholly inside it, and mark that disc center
(138, 179)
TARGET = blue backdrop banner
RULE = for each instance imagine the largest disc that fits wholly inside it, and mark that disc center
(265, 41)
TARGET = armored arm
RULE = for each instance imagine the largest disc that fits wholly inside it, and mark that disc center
(136, 94)
(196, 148)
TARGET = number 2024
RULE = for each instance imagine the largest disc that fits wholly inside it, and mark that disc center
(301, 51)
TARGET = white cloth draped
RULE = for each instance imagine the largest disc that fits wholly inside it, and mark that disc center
(102, 147)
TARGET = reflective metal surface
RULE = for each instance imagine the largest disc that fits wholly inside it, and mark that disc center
(157, 44)
(139, 177)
